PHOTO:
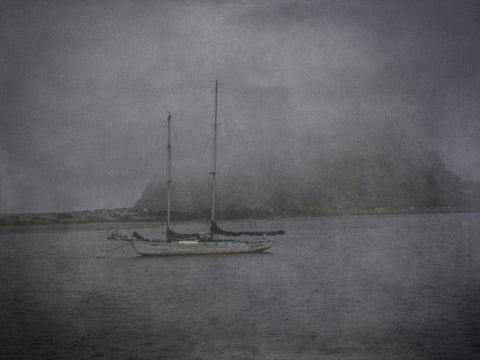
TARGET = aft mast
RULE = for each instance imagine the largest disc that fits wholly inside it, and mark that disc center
(169, 171)
(214, 165)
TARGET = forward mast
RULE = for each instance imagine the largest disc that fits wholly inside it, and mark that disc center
(214, 164)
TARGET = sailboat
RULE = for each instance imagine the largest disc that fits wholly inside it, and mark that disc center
(217, 240)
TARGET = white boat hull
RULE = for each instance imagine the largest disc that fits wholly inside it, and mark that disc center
(149, 248)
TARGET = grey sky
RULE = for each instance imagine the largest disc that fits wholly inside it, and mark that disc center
(86, 87)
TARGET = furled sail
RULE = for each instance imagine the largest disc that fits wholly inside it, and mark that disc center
(172, 235)
(214, 229)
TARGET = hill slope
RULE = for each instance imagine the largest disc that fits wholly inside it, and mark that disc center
(380, 179)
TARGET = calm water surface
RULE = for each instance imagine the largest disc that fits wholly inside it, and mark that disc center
(366, 287)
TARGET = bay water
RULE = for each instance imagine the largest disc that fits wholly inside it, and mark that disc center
(351, 287)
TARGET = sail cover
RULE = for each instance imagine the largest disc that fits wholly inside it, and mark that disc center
(172, 235)
(214, 229)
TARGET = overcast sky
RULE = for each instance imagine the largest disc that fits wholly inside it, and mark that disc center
(86, 87)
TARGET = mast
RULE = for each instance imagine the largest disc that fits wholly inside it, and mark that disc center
(169, 170)
(214, 165)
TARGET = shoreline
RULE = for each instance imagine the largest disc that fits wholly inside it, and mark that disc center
(55, 228)
(106, 225)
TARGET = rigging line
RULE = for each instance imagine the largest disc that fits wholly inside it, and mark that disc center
(174, 131)
(223, 117)
(194, 178)
(230, 143)
(187, 180)
(232, 140)
(115, 248)
(239, 136)
(224, 149)
(181, 148)
(185, 150)
(208, 143)
(176, 143)
(224, 106)
(146, 164)
(185, 153)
